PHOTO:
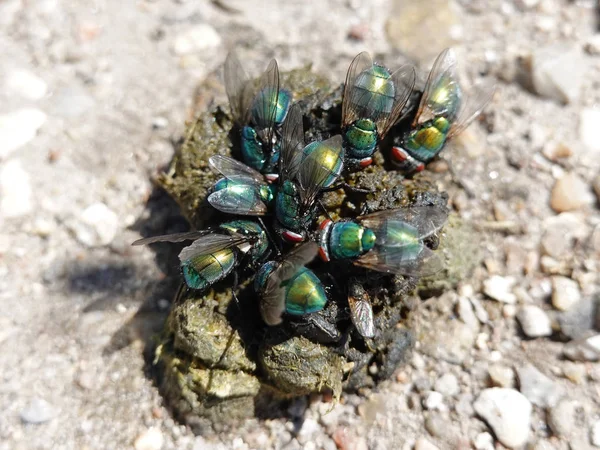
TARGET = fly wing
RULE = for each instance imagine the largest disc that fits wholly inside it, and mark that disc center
(443, 67)
(292, 143)
(264, 107)
(236, 86)
(176, 237)
(234, 170)
(472, 105)
(231, 200)
(351, 99)
(426, 219)
(361, 311)
(313, 175)
(403, 81)
(211, 243)
(412, 260)
(272, 304)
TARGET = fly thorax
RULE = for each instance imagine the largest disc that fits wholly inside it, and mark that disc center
(266, 194)
(345, 241)
(368, 240)
(263, 273)
(426, 138)
(287, 205)
(442, 124)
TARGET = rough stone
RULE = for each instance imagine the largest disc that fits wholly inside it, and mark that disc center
(569, 193)
(18, 128)
(595, 434)
(423, 444)
(578, 320)
(15, 190)
(558, 72)
(582, 350)
(534, 321)
(537, 387)
(484, 441)
(507, 412)
(560, 232)
(499, 288)
(501, 376)
(434, 401)
(565, 293)
(562, 418)
(466, 313)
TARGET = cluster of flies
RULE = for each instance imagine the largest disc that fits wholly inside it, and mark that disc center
(283, 177)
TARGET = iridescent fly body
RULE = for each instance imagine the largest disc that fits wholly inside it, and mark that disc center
(372, 103)
(389, 241)
(289, 287)
(445, 110)
(214, 254)
(259, 108)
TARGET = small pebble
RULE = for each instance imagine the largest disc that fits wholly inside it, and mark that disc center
(151, 439)
(537, 387)
(465, 312)
(558, 72)
(447, 385)
(562, 418)
(434, 401)
(581, 351)
(589, 124)
(97, 226)
(534, 321)
(501, 376)
(499, 288)
(595, 434)
(556, 152)
(507, 412)
(565, 293)
(310, 427)
(484, 441)
(559, 234)
(200, 38)
(569, 193)
(38, 410)
(18, 128)
(578, 320)
(15, 190)
(424, 444)
(26, 84)
(574, 372)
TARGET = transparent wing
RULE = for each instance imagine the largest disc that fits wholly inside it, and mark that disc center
(292, 143)
(236, 86)
(472, 104)
(403, 80)
(426, 219)
(239, 199)
(313, 175)
(211, 243)
(351, 95)
(232, 168)
(444, 68)
(413, 260)
(272, 304)
(176, 237)
(361, 311)
(264, 99)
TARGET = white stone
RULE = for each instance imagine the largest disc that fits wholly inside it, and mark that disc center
(499, 288)
(501, 376)
(589, 126)
(484, 441)
(434, 401)
(38, 410)
(18, 128)
(151, 439)
(558, 72)
(26, 84)
(423, 444)
(15, 190)
(534, 321)
(565, 293)
(447, 385)
(537, 387)
(595, 434)
(507, 412)
(97, 225)
(200, 38)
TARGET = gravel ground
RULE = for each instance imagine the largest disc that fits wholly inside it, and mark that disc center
(93, 96)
